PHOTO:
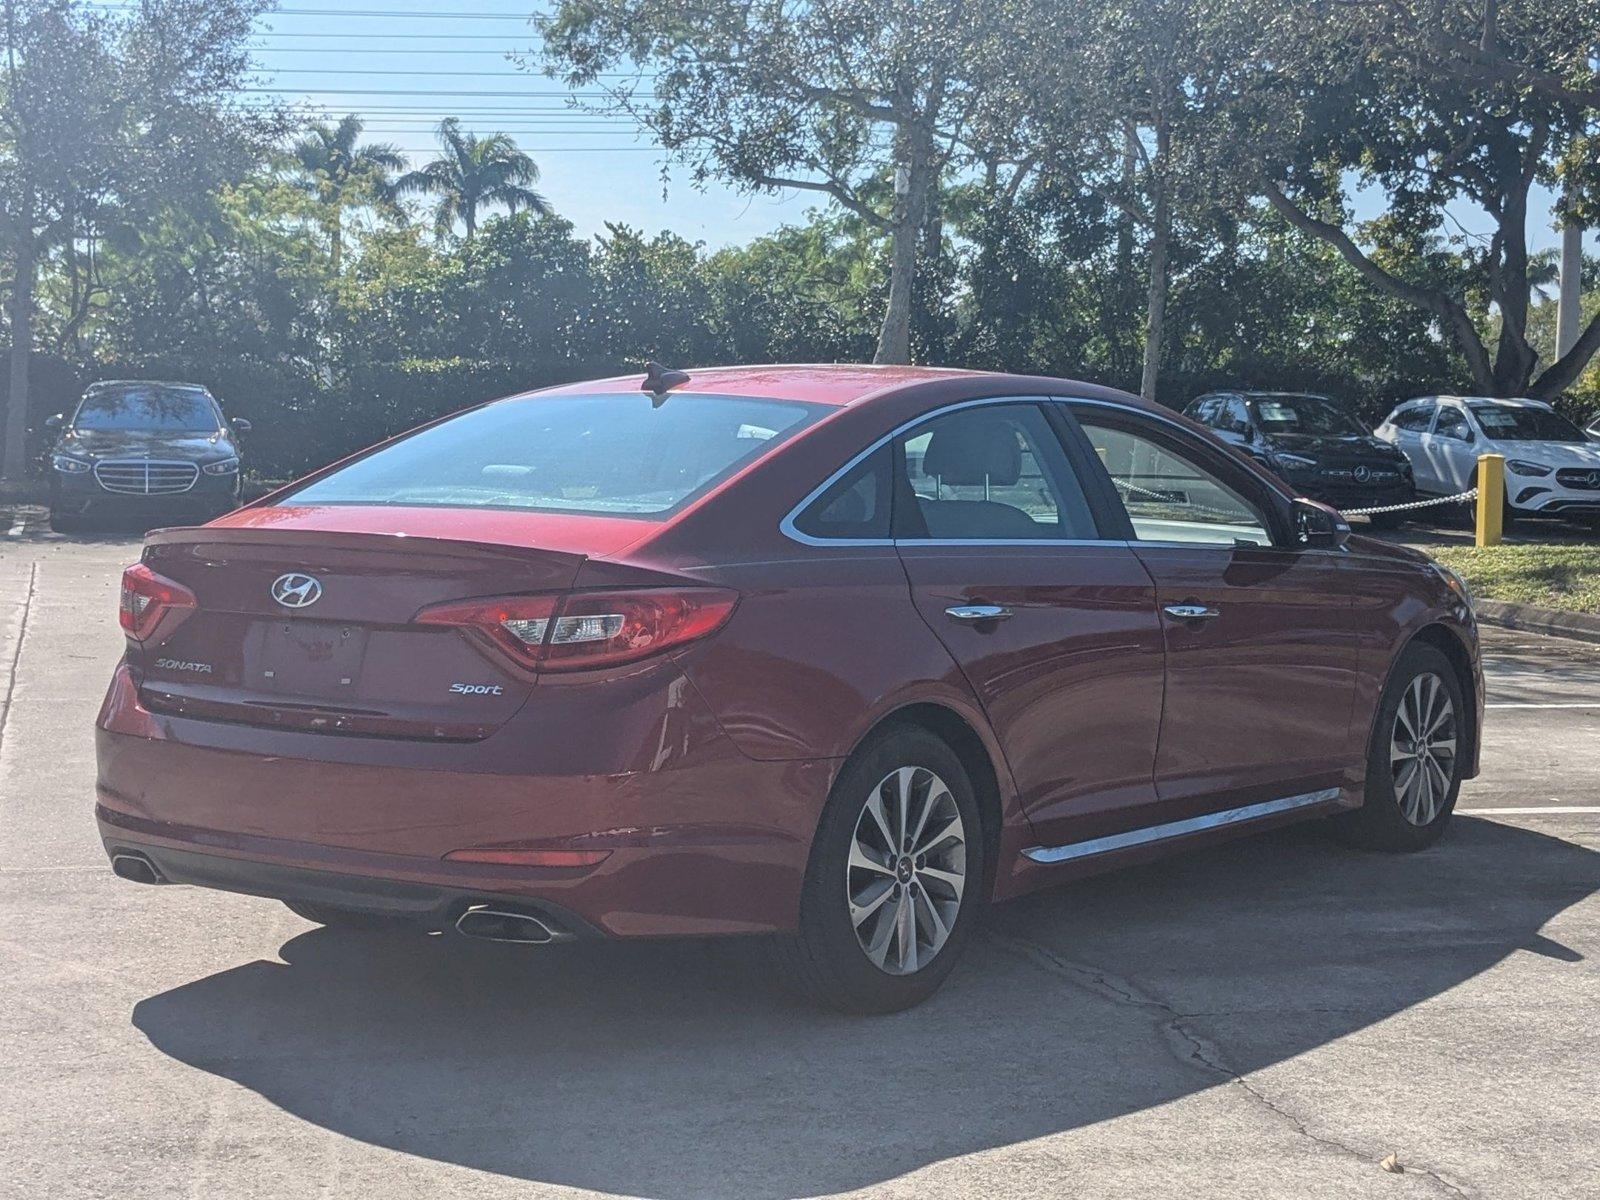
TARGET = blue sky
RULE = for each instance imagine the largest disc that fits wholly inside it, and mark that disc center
(405, 64)
(595, 170)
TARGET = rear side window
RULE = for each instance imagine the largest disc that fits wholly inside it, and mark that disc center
(856, 506)
(992, 473)
(617, 454)
(1416, 418)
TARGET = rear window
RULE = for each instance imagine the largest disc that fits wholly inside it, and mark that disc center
(148, 406)
(617, 454)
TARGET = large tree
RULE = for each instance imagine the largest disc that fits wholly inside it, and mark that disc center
(106, 118)
(474, 173)
(866, 102)
(1436, 108)
(329, 166)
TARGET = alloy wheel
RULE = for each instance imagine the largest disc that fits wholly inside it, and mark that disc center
(1422, 748)
(907, 871)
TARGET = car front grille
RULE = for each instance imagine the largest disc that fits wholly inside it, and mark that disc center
(1580, 479)
(1378, 475)
(143, 477)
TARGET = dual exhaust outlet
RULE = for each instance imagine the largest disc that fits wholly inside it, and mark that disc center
(484, 922)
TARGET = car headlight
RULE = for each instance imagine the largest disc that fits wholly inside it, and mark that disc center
(227, 466)
(68, 465)
(1294, 462)
(1518, 466)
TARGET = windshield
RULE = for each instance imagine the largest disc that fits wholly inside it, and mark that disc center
(1515, 423)
(618, 454)
(1304, 414)
(148, 407)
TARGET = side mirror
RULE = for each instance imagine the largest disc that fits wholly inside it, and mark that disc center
(1248, 432)
(54, 422)
(240, 425)
(1319, 527)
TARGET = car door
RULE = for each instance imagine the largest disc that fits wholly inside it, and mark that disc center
(1053, 625)
(1408, 424)
(1261, 637)
(1447, 449)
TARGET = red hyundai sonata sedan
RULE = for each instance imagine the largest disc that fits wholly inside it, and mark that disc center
(836, 654)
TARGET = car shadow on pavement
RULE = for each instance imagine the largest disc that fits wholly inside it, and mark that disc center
(678, 1070)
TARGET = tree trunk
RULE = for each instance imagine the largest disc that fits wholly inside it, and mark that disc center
(910, 209)
(1156, 305)
(14, 467)
(1569, 312)
(1160, 246)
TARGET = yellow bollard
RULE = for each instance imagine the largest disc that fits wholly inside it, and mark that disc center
(1491, 497)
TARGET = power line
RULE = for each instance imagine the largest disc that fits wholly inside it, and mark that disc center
(334, 34)
(355, 12)
(276, 91)
(398, 71)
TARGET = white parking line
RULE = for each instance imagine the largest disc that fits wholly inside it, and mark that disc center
(17, 526)
(1551, 811)
(1573, 704)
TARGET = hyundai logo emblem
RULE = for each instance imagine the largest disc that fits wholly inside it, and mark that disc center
(296, 590)
(1363, 473)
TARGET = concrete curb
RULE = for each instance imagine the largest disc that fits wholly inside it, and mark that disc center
(1528, 618)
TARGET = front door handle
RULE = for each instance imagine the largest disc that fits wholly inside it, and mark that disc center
(1190, 612)
(977, 612)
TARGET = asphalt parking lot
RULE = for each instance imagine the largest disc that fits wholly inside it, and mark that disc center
(1268, 1019)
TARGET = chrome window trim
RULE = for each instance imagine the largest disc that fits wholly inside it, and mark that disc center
(787, 525)
(1173, 829)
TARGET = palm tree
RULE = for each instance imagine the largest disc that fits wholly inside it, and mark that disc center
(330, 167)
(475, 173)
(1544, 273)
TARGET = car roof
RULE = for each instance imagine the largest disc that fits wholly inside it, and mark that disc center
(1506, 401)
(844, 385)
(165, 383)
(821, 383)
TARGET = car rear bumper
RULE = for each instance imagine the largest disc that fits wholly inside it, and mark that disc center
(430, 904)
(715, 844)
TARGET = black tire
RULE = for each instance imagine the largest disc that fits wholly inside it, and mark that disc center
(1387, 520)
(1381, 822)
(62, 522)
(824, 961)
(343, 918)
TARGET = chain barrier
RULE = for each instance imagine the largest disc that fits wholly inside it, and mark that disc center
(1458, 498)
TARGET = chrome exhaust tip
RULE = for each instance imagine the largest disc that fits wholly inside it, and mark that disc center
(499, 925)
(135, 867)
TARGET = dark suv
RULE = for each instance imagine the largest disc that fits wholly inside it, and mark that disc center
(152, 449)
(1314, 444)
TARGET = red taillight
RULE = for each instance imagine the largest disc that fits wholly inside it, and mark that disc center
(146, 598)
(588, 629)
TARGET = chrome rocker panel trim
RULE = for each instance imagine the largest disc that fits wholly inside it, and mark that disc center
(1160, 833)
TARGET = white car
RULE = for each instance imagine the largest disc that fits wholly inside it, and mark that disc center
(1552, 469)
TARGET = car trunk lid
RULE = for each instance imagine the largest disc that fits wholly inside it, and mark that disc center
(342, 654)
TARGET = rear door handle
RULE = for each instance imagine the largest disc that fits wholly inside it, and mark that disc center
(977, 612)
(1190, 612)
